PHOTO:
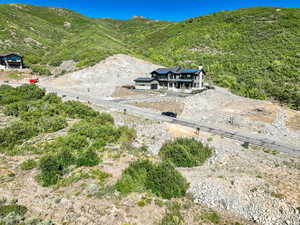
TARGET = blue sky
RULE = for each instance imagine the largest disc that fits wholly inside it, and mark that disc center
(172, 10)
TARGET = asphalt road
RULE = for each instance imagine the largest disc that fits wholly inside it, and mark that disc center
(239, 136)
(259, 140)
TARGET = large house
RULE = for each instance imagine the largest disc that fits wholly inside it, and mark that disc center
(11, 61)
(174, 78)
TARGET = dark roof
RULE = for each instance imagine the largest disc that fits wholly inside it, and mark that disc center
(7, 54)
(175, 70)
(144, 79)
(184, 80)
(189, 71)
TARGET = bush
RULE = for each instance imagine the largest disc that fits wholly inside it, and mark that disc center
(16, 133)
(185, 152)
(127, 134)
(165, 181)
(16, 108)
(22, 93)
(105, 132)
(134, 177)
(173, 215)
(28, 164)
(52, 98)
(40, 70)
(30, 92)
(51, 170)
(7, 209)
(101, 119)
(76, 109)
(161, 179)
(87, 158)
(51, 124)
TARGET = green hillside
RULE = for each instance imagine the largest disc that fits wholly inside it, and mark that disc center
(255, 52)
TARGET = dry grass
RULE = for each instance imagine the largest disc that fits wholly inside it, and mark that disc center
(293, 120)
(162, 106)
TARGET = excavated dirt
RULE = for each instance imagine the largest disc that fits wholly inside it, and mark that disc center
(223, 109)
(161, 106)
(102, 79)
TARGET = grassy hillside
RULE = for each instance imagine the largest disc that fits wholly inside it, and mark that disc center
(46, 35)
(255, 52)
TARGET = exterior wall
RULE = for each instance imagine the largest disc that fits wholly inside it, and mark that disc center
(140, 87)
(146, 85)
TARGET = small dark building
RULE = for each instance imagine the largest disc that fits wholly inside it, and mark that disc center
(11, 61)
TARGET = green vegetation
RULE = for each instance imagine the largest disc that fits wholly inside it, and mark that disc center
(161, 179)
(254, 52)
(185, 152)
(211, 216)
(7, 209)
(29, 164)
(37, 113)
(173, 215)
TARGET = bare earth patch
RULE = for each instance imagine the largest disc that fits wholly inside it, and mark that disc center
(162, 106)
(123, 92)
(293, 120)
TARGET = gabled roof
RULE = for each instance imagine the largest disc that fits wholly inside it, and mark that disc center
(175, 70)
(7, 54)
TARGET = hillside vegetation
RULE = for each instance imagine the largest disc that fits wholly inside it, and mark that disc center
(255, 52)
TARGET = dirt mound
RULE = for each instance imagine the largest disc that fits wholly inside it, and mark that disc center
(104, 77)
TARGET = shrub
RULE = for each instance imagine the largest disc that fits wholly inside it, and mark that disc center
(173, 215)
(127, 134)
(105, 132)
(87, 158)
(100, 119)
(16, 108)
(30, 92)
(51, 170)
(185, 152)
(211, 216)
(162, 179)
(7, 209)
(28, 164)
(22, 93)
(51, 124)
(16, 133)
(134, 177)
(41, 70)
(165, 181)
(75, 109)
(52, 98)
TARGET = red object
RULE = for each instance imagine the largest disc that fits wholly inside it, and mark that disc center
(33, 81)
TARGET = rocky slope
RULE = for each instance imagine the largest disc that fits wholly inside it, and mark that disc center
(102, 79)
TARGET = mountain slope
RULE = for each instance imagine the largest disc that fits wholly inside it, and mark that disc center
(255, 52)
(47, 35)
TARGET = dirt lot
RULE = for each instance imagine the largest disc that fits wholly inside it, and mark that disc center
(293, 120)
(162, 106)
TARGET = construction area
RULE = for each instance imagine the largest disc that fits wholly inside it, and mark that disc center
(256, 183)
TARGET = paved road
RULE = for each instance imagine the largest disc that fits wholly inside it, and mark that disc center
(251, 138)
